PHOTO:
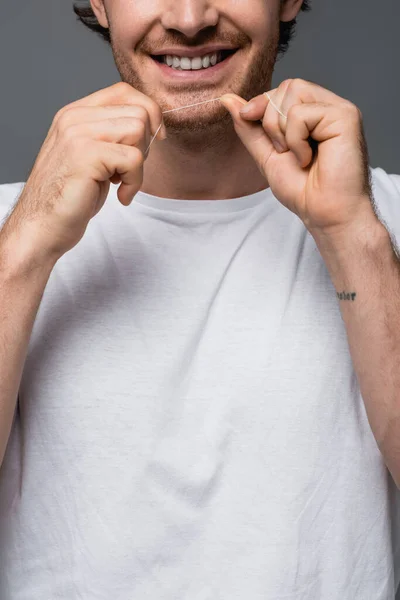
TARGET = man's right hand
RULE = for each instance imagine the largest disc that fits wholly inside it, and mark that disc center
(96, 140)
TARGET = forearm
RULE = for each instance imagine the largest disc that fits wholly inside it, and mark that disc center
(23, 278)
(365, 272)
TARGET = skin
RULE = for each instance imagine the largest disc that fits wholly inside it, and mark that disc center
(330, 192)
(202, 157)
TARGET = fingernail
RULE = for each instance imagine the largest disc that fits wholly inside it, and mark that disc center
(246, 109)
(278, 147)
(162, 134)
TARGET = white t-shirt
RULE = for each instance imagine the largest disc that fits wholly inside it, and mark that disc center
(190, 426)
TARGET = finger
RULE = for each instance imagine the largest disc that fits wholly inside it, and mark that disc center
(118, 160)
(309, 91)
(305, 121)
(287, 95)
(252, 134)
(122, 93)
(84, 114)
(279, 105)
(265, 107)
(130, 131)
(272, 127)
(297, 92)
(300, 91)
(289, 92)
(256, 107)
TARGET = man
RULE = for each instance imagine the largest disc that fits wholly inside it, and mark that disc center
(205, 350)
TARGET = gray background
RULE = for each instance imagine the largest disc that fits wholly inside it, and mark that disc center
(48, 59)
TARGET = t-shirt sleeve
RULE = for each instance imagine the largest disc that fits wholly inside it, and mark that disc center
(9, 194)
(386, 197)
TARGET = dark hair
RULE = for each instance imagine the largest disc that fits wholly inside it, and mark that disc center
(287, 29)
(86, 15)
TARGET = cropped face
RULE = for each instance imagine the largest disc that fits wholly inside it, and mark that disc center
(181, 52)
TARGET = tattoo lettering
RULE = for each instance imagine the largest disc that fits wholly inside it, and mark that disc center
(346, 296)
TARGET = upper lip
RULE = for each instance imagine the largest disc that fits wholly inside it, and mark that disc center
(192, 52)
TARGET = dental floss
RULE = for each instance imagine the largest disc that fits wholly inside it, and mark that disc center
(204, 102)
(274, 105)
(180, 108)
(195, 104)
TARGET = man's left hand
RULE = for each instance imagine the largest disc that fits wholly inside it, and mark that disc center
(330, 190)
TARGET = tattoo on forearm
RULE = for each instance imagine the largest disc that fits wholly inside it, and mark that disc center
(346, 296)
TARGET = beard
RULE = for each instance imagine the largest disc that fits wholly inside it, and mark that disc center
(190, 125)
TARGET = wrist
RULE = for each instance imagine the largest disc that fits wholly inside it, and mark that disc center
(364, 228)
(355, 245)
(21, 253)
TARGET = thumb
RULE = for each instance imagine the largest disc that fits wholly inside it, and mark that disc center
(251, 133)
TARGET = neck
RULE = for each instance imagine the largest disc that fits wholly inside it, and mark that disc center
(201, 166)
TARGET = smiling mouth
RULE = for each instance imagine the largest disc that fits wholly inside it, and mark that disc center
(199, 63)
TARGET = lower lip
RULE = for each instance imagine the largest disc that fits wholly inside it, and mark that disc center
(196, 75)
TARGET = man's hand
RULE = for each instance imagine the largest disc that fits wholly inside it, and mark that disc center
(329, 191)
(95, 141)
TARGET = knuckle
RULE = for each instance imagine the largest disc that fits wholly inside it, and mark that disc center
(136, 155)
(64, 120)
(352, 111)
(60, 114)
(114, 122)
(132, 154)
(155, 111)
(297, 82)
(69, 133)
(293, 112)
(142, 113)
(124, 90)
(288, 82)
(132, 111)
(138, 126)
(355, 111)
(291, 138)
(122, 87)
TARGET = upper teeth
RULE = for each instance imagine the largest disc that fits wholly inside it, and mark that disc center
(186, 64)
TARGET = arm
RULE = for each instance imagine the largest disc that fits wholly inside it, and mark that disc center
(23, 277)
(365, 270)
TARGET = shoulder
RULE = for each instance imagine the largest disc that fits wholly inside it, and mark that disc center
(386, 199)
(9, 194)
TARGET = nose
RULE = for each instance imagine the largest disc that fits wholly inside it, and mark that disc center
(190, 16)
